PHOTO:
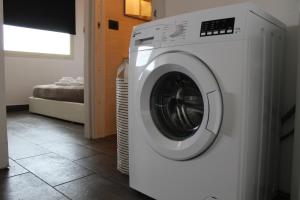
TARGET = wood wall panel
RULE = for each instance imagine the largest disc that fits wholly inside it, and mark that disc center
(112, 47)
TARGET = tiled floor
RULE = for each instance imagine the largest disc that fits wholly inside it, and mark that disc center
(50, 159)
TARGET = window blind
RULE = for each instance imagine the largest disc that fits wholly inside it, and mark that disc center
(52, 15)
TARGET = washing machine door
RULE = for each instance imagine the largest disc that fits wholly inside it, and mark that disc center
(181, 105)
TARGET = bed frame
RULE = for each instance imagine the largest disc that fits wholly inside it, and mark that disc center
(69, 111)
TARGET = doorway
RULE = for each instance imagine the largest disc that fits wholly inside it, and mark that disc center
(22, 121)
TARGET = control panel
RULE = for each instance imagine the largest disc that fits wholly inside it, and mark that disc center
(180, 30)
(217, 27)
(175, 31)
(146, 39)
(187, 30)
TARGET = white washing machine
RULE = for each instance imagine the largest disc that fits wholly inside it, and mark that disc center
(204, 93)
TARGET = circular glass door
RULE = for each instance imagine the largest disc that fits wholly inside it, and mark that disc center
(180, 104)
(177, 106)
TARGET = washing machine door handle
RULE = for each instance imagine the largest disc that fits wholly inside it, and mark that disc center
(215, 111)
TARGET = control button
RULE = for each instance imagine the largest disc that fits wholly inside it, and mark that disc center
(179, 30)
(220, 26)
(203, 34)
(230, 31)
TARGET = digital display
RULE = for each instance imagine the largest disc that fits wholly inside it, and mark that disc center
(217, 27)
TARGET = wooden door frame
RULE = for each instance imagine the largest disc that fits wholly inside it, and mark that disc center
(92, 25)
(88, 63)
(94, 62)
(3, 130)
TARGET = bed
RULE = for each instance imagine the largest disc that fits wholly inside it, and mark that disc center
(62, 100)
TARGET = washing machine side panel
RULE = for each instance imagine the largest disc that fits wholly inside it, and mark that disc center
(259, 108)
(251, 123)
(256, 86)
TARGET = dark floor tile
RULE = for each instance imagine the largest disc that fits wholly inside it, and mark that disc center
(54, 169)
(74, 127)
(27, 187)
(37, 136)
(51, 135)
(17, 115)
(31, 121)
(19, 148)
(106, 166)
(96, 187)
(70, 151)
(106, 145)
(13, 170)
(67, 142)
(15, 127)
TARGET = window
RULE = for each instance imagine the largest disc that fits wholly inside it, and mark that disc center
(19, 39)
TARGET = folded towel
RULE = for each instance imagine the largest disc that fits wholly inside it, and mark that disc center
(62, 84)
(70, 81)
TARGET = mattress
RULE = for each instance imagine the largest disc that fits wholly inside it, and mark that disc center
(60, 93)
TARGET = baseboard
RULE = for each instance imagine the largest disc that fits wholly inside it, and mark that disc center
(17, 108)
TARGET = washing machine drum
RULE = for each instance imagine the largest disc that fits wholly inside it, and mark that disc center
(181, 105)
(176, 106)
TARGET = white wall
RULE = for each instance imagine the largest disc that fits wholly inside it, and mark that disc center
(286, 11)
(159, 7)
(3, 135)
(23, 73)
